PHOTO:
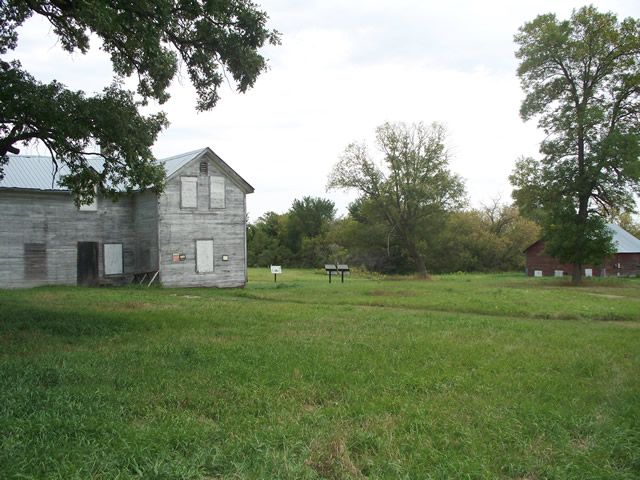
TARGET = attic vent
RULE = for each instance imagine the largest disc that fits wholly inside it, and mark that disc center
(204, 168)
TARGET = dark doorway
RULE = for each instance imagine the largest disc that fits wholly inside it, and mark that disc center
(88, 263)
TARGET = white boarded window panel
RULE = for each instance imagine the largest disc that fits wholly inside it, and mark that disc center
(537, 273)
(558, 273)
(113, 259)
(189, 192)
(588, 272)
(217, 192)
(204, 256)
(93, 206)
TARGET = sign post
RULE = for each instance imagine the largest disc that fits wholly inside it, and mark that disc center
(330, 269)
(276, 269)
(342, 269)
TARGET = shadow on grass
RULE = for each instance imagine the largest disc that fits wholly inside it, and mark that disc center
(23, 317)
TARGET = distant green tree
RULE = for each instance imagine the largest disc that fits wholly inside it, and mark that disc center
(297, 238)
(265, 241)
(581, 78)
(412, 187)
(490, 239)
(148, 39)
(308, 218)
(367, 240)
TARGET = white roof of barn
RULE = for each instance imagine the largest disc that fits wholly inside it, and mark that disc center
(624, 241)
(38, 172)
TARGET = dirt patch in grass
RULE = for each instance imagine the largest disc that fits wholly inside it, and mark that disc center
(331, 460)
(625, 323)
(391, 293)
(309, 408)
(47, 297)
(604, 295)
(581, 444)
(131, 305)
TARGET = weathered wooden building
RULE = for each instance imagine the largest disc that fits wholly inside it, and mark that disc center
(193, 234)
(626, 260)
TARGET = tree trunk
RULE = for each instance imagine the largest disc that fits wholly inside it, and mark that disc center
(421, 268)
(583, 205)
(576, 277)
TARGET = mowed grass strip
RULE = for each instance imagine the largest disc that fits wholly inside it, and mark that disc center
(374, 378)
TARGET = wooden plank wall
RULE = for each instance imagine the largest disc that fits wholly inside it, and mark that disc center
(146, 231)
(151, 230)
(180, 228)
(51, 218)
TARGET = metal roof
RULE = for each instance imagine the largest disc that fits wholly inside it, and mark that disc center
(624, 241)
(175, 163)
(32, 171)
(38, 172)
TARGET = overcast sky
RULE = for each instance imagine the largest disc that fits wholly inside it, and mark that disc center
(345, 67)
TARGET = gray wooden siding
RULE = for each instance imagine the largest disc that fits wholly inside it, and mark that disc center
(50, 218)
(180, 228)
(150, 228)
(146, 231)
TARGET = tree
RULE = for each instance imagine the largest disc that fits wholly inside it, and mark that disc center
(147, 39)
(412, 187)
(265, 241)
(582, 80)
(309, 220)
(367, 240)
(312, 214)
(295, 238)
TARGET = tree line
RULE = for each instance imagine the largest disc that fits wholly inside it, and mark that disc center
(409, 216)
(309, 234)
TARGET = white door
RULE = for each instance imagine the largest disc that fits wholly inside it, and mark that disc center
(204, 256)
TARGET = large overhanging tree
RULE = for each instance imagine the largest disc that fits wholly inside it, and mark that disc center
(146, 39)
(411, 188)
(582, 81)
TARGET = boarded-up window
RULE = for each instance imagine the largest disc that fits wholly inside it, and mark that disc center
(189, 192)
(204, 256)
(35, 261)
(113, 264)
(93, 206)
(217, 192)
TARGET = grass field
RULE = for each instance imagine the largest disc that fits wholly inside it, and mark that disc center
(462, 376)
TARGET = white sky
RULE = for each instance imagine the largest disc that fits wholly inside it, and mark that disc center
(345, 67)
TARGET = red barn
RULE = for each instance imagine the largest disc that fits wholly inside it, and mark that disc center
(626, 260)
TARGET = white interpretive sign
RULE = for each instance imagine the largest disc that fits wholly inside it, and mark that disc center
(275, 269)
